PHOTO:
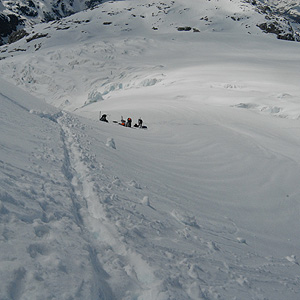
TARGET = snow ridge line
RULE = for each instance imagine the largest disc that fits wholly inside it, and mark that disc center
(14, 102)
(90, 210)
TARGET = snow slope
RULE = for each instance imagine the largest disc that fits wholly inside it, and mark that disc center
(202, 205)
(94, 52)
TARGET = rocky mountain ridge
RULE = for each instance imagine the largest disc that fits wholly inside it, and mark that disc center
(278, 13)
(281, 18)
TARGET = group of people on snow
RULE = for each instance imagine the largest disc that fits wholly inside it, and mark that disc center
(128, 123)
(123, 122)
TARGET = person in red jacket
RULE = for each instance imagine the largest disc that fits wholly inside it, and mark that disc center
(128, 123)
(122, 122)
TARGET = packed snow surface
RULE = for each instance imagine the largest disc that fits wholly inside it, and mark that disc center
(204, 204)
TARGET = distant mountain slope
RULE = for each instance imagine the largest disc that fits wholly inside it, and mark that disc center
(277, 11)
(47, 10)
(82, 44)
(287, 8)
(279, 17)
(18, 13)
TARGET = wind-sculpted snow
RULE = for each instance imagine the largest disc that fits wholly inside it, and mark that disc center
(162, 215)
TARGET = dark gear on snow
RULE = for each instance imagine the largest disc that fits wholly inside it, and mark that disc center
(128, 123)
(103, 118)
(123, 122)
(140, 122)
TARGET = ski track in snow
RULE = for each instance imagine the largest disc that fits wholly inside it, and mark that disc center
(135, 275)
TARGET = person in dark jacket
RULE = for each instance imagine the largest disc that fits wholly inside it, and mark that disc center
(103, 118)
(128, 123)
(140, 122)
(122, 122)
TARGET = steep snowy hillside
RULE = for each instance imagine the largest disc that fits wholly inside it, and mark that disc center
(204, 204)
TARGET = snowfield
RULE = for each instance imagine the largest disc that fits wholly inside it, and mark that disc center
(204, 204)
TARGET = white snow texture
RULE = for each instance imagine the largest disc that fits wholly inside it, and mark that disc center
(204, 204)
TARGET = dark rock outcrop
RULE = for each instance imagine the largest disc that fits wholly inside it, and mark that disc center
(8, 24)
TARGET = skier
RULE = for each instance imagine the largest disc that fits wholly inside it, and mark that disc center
(140, 122)
(128, 123)
(103, 118)
(123, 122)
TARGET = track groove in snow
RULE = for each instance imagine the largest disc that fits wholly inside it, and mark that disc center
(82, 171)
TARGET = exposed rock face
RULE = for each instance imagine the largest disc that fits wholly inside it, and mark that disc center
(274, 27)
(8, 24)
(282, 18)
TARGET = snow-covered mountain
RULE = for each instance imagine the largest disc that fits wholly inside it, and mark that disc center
(19, 13)
(281, 17)
(289, 9)
(204, 204)
(277, 12)
(46, 10)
